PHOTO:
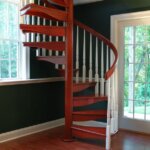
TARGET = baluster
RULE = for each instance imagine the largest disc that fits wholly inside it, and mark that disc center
(50, 38)
(57, 39)
(77, 55)
(107, 67)
(63, 54)
(96, 70)
(102, 81)
(38, 35)
(27, 34)
(84, 58)
(33, 34)
(44, 37)
(90, 62)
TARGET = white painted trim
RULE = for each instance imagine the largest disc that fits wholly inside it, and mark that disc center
(30, 130)
(116, 20)
(31, 81)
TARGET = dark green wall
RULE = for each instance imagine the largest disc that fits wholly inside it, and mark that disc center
(97, 15)
(41, 69)
(30, 104)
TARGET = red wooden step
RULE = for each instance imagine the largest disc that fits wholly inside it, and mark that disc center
(87, 100)
(59, 46)
(89, 115)
(62, 72)
(89, 132)
(44, 12)
(53, 59)
(77, 87)
(47, 30)
(60, 3)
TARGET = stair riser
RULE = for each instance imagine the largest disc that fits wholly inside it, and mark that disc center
(86, 135)
(88, 117)
(85, 102)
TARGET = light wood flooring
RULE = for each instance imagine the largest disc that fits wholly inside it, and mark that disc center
(52, 140)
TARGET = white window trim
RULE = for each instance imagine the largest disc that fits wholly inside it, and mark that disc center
(115, 19)
(32, 81)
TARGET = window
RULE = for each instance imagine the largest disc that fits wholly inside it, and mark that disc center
(12, 57)
(136, 73)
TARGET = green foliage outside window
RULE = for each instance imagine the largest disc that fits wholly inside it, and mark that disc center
(137, 68)
(9, 39)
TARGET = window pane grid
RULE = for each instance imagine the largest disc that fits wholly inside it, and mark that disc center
(137, 72)
(10, 39)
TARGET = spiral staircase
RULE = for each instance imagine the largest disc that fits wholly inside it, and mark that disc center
(84, 57)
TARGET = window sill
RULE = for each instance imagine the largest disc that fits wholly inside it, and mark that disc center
(31, 81)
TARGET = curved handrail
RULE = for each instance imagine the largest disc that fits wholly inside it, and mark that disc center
(106, 41)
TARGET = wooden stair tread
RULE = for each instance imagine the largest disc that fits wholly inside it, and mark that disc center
(77, 87)
(89, 115)
(47, 30)
(44, 12)
(59, 46)
(87, 100)
(53, 59)
(88, 132)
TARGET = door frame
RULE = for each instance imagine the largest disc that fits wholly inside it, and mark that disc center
(134, 125)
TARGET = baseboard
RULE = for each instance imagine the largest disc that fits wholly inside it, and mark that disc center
(30, 130)
(138, 132)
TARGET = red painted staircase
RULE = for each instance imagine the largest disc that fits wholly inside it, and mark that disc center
(62, 11)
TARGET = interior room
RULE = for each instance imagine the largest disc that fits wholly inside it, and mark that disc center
(74, 74)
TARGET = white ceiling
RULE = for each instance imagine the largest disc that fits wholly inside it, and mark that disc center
(77, 2)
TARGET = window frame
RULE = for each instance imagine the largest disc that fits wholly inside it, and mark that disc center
(23, 60)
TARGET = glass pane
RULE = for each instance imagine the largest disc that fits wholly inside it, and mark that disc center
(126, 72)
(131, 72)
(13, 32)
(13, 50)
(140, 34)
(130, 53)
(13, 17)
(13, 69)
(148, 53)
(148, 73)
(139, 92)
(13, 21)
(4, 50)
(3, 19)
(1, 49)
(126, 90)
(140, 75)
(139, 109)
(141, 54)
(148, 111)
(148, 33)
(147, 92)
(4, 69)
(129, 35)
(128, 108)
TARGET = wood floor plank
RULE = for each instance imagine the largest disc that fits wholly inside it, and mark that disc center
(52, 140)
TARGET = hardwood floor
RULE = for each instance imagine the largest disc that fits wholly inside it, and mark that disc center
(51, 140)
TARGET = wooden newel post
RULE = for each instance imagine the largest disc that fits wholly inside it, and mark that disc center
(69, 72)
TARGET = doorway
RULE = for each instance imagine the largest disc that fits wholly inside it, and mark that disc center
(131, 35)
